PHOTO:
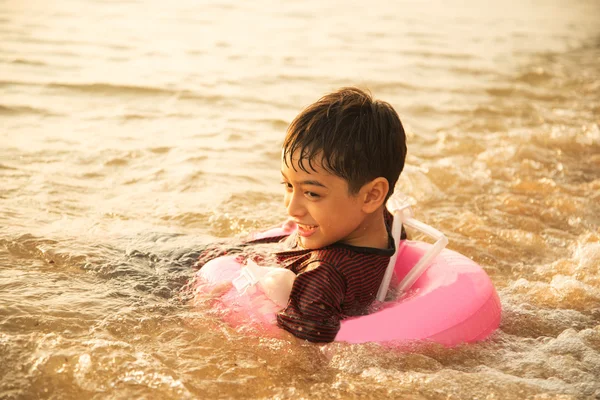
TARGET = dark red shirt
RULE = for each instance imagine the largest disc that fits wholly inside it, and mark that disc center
(332, 283)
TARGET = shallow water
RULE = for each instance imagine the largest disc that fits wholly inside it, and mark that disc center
(135, 133)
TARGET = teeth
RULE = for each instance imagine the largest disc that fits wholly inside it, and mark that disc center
(307, 227)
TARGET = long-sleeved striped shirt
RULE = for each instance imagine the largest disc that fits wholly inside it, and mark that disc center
(332, 283)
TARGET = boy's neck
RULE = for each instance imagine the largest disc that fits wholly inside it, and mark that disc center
(372, 232)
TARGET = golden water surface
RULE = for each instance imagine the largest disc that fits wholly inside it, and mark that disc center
(133, 133)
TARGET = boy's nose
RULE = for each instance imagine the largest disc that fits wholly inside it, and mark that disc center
(293, 203)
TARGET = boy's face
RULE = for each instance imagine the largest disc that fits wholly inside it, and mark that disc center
(322, 206)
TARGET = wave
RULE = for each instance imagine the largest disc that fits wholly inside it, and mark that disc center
(22, 110)
(21, 61)
(7, 167)
(63, 42)
(440, 55)
(109, 88)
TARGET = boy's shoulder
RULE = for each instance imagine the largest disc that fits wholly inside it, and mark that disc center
(338, 256)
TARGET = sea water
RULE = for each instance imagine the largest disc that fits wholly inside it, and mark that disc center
(134, 133)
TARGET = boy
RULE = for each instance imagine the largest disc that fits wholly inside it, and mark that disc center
(341, 159)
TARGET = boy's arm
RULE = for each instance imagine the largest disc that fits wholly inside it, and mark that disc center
(314, 310)
(215, 250)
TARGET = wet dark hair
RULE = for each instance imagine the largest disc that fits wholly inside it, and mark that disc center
(359, 138)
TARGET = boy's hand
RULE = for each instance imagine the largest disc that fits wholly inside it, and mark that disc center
(205, 293)
(220, 289)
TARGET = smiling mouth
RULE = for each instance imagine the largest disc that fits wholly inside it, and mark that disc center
(306, 230)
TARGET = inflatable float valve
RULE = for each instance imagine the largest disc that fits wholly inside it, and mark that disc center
(403, 215)
(249, 276)
(275, 283)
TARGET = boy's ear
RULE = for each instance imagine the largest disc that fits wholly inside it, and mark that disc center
(374, 194)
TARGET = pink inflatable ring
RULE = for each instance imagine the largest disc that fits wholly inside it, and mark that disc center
(451, 300)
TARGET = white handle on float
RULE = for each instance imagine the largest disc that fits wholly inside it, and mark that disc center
(387, 277)
(403, 215)
(249, 276)
(428, 257)
(274, 282)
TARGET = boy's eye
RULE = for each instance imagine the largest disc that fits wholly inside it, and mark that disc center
(287, 185)
(312, 195)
